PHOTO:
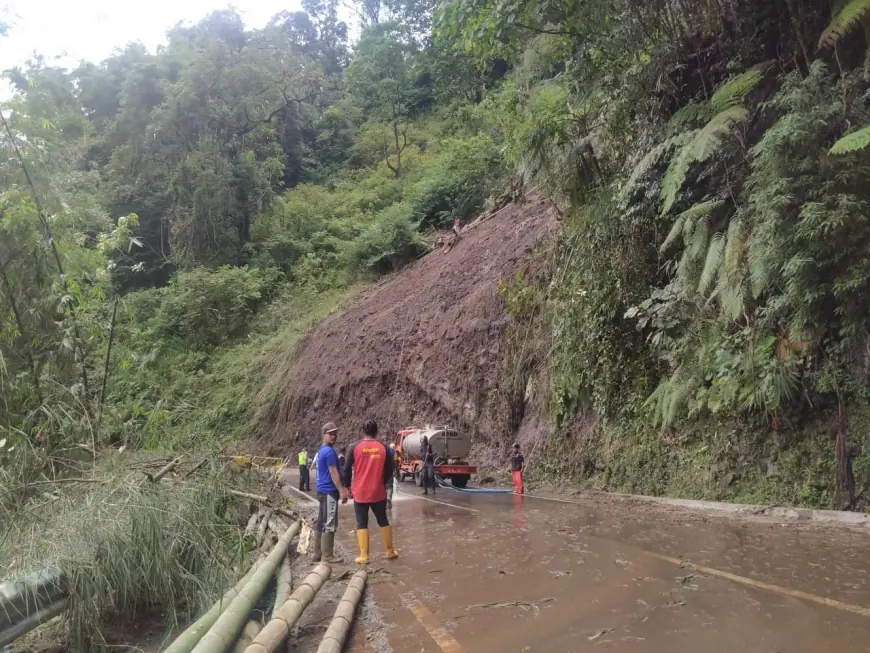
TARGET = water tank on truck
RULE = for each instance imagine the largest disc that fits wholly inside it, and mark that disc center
(451, 452)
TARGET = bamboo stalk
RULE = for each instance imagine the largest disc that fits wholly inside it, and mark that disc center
(249, 632)
(283, 584)
(34, 591)
(336, 634)
(247, 495)
(261, 531)
(154, 478)
(29, 623)
(251, 526)
(185, 642)
(228, 625)
(278, 629)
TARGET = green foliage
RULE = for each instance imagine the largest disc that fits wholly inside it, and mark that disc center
(204, 308)
(850, 16)
(857, 140)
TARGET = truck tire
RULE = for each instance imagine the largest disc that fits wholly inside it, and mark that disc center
(418, 478)
(460, 480)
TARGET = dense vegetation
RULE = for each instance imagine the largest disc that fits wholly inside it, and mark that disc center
(170, 218)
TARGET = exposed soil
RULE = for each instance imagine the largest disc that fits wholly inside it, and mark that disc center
(424, 346)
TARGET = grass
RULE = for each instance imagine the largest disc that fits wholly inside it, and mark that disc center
(129, 548)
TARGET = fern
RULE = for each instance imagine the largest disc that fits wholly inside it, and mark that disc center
(702, 146)
(852, 142)
(711, 263)
(674, 233)
(700, 239)
(732, 92)
(689, 114)
(651, 158)
(848, 18)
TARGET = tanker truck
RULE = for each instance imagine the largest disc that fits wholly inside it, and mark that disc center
(451, 450)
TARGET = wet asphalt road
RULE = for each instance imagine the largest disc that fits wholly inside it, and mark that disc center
(502, 573)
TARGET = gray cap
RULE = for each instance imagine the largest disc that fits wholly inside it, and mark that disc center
(328, 427)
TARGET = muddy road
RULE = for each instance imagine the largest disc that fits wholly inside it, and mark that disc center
(503, 573)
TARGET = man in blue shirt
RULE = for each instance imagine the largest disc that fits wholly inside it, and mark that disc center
(330, 491)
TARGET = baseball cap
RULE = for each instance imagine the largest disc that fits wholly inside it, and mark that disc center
(328, 427)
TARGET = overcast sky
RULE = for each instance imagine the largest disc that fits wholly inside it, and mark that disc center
(69, 31)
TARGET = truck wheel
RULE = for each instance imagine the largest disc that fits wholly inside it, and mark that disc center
(418, 478)
(460, 480)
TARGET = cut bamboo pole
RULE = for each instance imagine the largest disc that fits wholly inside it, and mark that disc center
(249, 632)
(228, 625)
(247, 495)
(32, 593)
(261, 531)
(185, 642)
(164, 471)
(32, 621)
(336, 634)
(278, 629)
(283, 584)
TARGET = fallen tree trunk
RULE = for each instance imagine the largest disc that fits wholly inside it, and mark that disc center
(278, 629)
(228, 625)
(336, 634)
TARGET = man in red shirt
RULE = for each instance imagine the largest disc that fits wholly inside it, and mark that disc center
(368, 468)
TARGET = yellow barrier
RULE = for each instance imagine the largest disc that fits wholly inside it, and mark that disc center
(276, 465)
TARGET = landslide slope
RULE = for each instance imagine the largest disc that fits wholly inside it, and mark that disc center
(424, 346)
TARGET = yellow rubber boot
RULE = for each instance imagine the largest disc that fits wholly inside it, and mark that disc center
(387, 537)
(362, 537)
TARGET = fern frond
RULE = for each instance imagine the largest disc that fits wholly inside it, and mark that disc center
(650, 159)
(711, 263)
(710, 137)
(848, 18)
(852, 142)
(674, 233)
(675, 175)
(736, 88)
(689, 114)
(700, 239)
(702, 146)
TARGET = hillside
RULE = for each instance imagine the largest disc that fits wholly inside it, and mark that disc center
(425, 345)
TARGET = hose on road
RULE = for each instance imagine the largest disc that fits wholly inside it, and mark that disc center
(473, 490)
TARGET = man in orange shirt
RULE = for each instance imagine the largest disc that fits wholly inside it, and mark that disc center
(368, 468)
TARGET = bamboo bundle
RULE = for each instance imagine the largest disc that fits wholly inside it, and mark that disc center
(185, 642)
(261, 531)
(338, 630)
(278, 629)
(228, 625)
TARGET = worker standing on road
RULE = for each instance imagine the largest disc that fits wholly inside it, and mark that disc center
(368, 468)
(304, 476)
(518, 464)
(427, 455)
(330, 490)
(391, 483)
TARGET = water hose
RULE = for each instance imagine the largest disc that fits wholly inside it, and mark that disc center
(472, 490)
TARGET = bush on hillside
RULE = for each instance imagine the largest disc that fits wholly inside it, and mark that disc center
(459, 183)
(204, 308)
(388, 243)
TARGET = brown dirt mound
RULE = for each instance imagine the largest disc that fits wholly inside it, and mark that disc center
(424, 346)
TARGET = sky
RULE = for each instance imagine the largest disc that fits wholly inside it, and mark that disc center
(66, 32)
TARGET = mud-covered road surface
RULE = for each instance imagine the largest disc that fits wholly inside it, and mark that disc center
(503, 573)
